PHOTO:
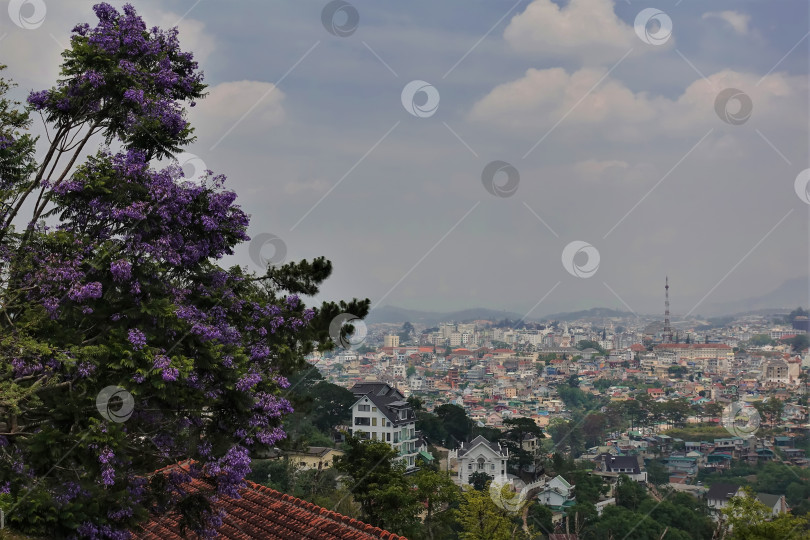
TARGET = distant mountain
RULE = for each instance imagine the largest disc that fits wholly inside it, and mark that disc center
(787, 296)
(397, 315)
(593, 313)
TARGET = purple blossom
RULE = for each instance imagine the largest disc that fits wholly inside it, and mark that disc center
(170, 374)
(161, 361)
(70, 490)
(136, 338)
(106, 456)
(85, 369)
(248, 381)
(121, 270)
(80, 293)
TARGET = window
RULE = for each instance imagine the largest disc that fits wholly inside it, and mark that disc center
(374, 435)
(373, 421)
(469, 467)
(363, 408)
(388, 437)
(374, 409)
(361, 421)
(396, 438)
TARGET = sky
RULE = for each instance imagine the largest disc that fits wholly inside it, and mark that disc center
(532, 156)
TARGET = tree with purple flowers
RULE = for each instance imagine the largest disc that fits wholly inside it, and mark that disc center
(124, 346)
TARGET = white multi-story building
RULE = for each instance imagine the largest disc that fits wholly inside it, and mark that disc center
(381, 413)
(480, 455)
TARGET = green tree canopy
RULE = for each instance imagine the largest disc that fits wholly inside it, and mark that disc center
(379, 484)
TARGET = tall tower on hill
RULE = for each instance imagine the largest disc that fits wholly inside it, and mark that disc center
(667, 334)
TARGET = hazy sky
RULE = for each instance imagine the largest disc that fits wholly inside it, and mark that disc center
(622, 139)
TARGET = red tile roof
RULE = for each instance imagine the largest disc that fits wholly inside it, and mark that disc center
(264, 513)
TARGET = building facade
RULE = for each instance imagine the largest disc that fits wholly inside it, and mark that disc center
(480, 455)
(381, 413)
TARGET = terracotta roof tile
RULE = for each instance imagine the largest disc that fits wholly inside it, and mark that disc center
(264, 513)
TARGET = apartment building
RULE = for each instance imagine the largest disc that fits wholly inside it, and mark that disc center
(381, 413)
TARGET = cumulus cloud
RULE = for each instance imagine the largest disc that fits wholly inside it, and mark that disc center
(543, 97)
(584, 29)
(738, 21)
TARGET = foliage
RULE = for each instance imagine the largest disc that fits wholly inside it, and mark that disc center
(589, 487)
(325, 405)
(431, 426)
(770, 410)
(437, 493)
(629, 493)
(379, 485)
(567, 434)
(589, 344)
(481, 519)
(619, 522)
(540, 517)
(656, 472)
(797, 343)
(480, 480)
(594, 426)
(760, 340)
(456, 423)
(122, 289)
(415, 402)
(745, 518)
(574, 398)
(516, 430)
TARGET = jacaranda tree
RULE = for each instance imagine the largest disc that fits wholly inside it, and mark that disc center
(124, 346)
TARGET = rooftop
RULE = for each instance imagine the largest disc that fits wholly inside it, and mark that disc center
(264, 513)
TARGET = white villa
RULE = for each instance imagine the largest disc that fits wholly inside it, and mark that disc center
(480, 455)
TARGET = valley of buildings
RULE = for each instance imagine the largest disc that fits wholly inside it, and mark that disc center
(496, 372)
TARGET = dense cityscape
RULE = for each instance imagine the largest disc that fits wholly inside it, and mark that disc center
(693, 407)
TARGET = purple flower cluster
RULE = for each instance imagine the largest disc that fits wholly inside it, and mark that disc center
(107, 471)
(136, 338)
(121, 271)
(170, 374)
(85, 369)
(161, 361)
(248, 381)
(230, 471)
(134, 77)
(70, 490)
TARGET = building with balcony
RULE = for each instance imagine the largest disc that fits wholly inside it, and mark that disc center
(381, 413)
